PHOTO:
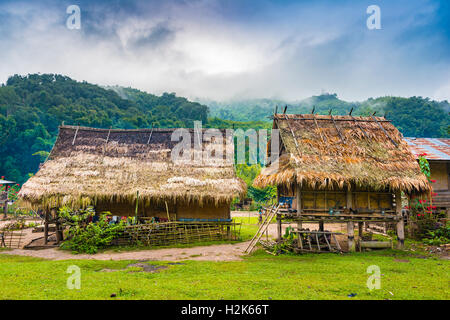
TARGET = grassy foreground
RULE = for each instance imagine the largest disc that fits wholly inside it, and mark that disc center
(261, 276)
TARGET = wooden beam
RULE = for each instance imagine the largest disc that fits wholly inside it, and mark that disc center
(293, 135)
(109, 132)
(360, 128)
(337, 129)
(46, 227)
(338, 119)
(324, 139)
(385, 132)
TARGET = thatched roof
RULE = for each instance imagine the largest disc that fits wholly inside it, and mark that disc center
(87, 164)
(336, 152)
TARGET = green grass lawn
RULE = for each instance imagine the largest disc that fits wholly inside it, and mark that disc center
(261, 276)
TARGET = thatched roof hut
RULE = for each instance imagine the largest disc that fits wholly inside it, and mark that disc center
(343, 169)
(341, 152)
(112, 168)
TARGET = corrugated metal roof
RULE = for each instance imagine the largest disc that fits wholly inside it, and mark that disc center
(435, 148)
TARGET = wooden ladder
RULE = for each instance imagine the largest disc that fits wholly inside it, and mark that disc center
(262, 228)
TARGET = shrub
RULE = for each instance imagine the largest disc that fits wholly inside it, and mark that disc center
(440, 235)
(89, 237)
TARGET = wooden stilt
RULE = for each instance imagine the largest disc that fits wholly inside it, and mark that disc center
(5, 207)
(46, 227)
(400, 222)
(350, 225)
(351, 236)
(360, 229)
(57, 226)
(299, 206)
(279, 228)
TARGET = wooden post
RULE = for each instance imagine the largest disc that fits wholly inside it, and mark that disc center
(321, 228)
(400, 222)
(360, 230)
(167, 211)
(46, 227)
(57, 226)
(137, 207)
(279, 227)
(5, 207)
(350, 225)
(299, 206)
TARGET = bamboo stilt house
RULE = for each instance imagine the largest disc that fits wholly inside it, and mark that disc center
(124, 171)
(354, 166)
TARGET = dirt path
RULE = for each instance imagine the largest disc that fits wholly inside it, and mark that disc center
(223, 252)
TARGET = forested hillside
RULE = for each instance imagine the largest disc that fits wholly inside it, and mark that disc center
(415, 116)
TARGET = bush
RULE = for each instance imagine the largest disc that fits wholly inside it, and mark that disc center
(89, 237)
(439, 236)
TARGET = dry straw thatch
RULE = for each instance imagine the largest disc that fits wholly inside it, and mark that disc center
(87, 165)
(337, 152)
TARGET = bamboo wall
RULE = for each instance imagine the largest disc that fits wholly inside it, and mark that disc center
(362, 200)
(176, 210)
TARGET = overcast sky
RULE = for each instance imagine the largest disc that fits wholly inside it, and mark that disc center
(235, 49)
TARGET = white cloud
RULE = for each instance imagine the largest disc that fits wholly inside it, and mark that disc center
(194, 50)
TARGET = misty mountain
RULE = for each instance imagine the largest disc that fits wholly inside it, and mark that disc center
(414, 116)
